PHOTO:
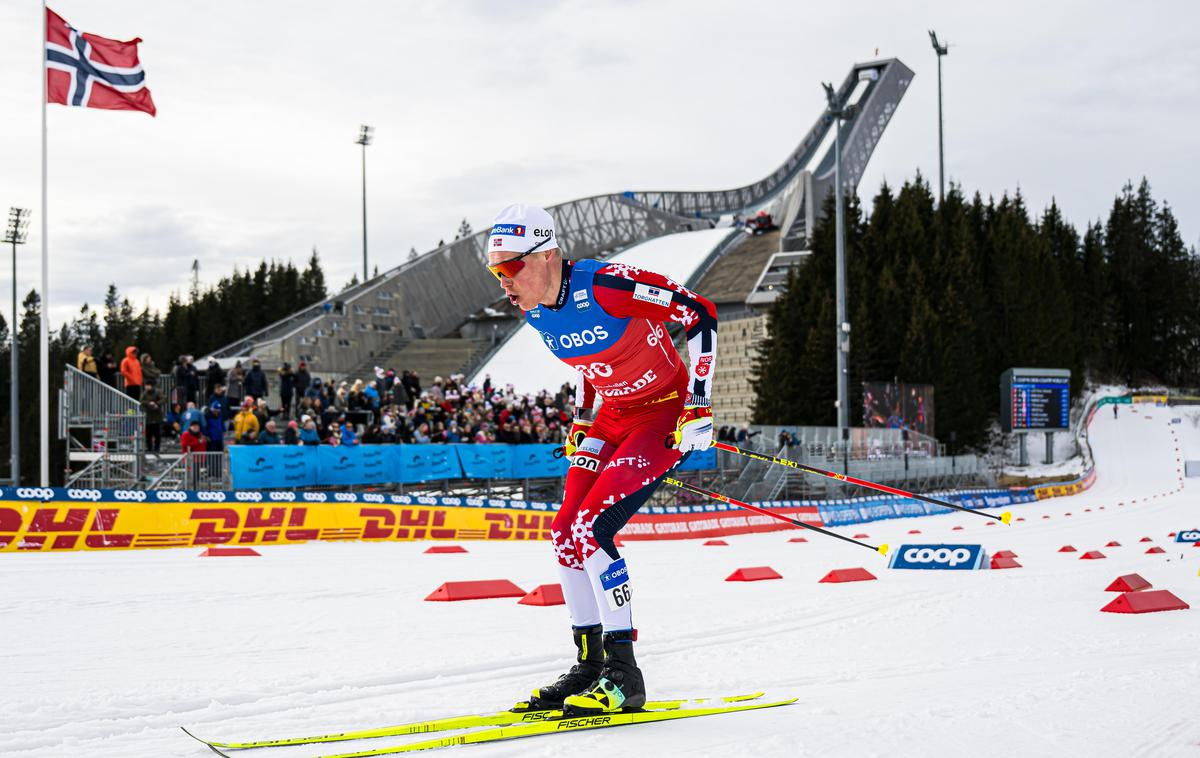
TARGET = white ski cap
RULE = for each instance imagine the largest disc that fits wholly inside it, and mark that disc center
(520, 228)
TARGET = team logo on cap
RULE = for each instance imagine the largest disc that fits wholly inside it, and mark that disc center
(509, 230)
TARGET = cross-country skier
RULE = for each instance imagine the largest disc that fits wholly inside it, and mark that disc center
(633, 392)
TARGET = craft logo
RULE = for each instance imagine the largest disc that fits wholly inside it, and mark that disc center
(703, 366)
(509, 230)
(945, 557)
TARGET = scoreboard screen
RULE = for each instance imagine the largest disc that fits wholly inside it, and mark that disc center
(1035, 400)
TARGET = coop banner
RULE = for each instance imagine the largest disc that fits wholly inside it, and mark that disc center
(32, 526)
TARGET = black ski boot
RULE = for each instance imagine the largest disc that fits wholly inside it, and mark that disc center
(581, 677)
(620, 685)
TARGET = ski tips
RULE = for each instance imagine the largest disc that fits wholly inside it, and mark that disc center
(1006, 517)
(883, 549)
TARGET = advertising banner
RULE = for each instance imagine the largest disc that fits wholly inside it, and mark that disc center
(940, 557)
(535, 461)
(263, 467)
(683, 526)
(52, 527)
(483, 461)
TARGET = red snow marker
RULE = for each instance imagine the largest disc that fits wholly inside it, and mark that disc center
(1128, 583)
(1092, 555)
(1145, 602)
(861, 536)
(478, 590)
(1113, 543)
(914, 531)
(847, 575)
(1020, 518)
(991, 523)
(1046, 516)
(957, 529)
(1067, 549)
(1004, 562)
(215, 552)
(1066, 514)
(544, 594)
(755, 574)
(1087, 510)
(1155, 551)
(716, 543)
(797, 539)
(1145, 539)
(1172, 534)
(1005, 554)
(446, 549)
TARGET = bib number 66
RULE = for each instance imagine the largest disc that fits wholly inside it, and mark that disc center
(620, 595)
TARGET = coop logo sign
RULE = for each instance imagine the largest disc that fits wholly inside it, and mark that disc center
(944, 557)
(1188, 535)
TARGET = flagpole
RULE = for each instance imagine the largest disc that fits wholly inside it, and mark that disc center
(44, 325)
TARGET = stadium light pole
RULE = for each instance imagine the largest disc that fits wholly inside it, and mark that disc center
(365, 135)
(839, 113)
(16, 234)
(941, 50)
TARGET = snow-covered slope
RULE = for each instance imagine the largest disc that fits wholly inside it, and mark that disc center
(524, 361)
(107, 654)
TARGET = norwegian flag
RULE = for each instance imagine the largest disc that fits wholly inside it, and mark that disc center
(89, 71)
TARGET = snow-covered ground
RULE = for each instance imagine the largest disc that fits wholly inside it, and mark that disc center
(524, 361)
(107, 654)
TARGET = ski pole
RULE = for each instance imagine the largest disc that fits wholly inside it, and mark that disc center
(1005, 517)
(881, 549)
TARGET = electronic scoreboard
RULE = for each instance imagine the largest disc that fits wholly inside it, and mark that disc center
(1035, 400)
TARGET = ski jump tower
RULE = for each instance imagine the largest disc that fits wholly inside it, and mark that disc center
(409, 301)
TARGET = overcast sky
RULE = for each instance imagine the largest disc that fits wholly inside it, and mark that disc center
(481, 104)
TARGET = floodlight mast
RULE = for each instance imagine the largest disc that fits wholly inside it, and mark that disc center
(941, 50)
(16, 234)
(365, 135)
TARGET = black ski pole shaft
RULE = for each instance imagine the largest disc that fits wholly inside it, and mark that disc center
(881, 549)
(1004, 518)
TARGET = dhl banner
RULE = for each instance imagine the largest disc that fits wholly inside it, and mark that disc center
(56, 526)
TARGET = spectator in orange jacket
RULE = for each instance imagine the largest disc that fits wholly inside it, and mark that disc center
(131, 369)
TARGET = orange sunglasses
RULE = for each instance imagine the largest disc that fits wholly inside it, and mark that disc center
(513, 266)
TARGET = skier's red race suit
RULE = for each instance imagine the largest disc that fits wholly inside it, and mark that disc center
(609, 324)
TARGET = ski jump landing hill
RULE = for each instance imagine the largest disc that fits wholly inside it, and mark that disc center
(107, 654)
(340, 333)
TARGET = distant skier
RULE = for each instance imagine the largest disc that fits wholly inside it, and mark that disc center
(633, 391)
(1114, 411)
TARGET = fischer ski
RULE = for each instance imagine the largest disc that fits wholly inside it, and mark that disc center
(563, 724)
(521, 713)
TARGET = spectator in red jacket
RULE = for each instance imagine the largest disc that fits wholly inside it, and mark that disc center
(131, 369)
(192, 441)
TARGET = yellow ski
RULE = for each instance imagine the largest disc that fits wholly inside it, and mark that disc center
(520, 714)
(560, 725)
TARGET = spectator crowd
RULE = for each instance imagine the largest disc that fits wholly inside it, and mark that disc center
(211, 409)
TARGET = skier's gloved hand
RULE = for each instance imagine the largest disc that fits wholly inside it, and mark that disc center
(575, 437)
(694, 430)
